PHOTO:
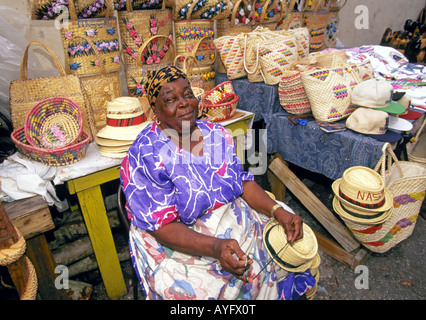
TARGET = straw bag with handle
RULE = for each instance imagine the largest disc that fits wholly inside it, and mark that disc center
(291, 17)
(136, 77)
(137, 26)
(316, 23)
(199, 9)
(98, 90)
(329, 92)
(26, 93)
(406, 181)
(240, 20)
(231, 55)
(331, 29)
(269, 15)
(103, 32)
(92, 8)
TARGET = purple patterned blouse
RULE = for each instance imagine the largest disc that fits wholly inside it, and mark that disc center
(163, 182)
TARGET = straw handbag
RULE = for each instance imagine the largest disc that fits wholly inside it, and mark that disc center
(316, 23)
(416, 150)
(302, 40)
(137, 26)
(139, 4)
(199, 9)
(406, 181)
(240, 20)
(80, 58)
(46, 9)
(98, 90)
(330, 59)
(136, 77)
(26, 93)
(231, 55)
(331, 29)
(186, 64)
(316, 5)
(92, 8)
(269, 16)
(329, 92)
(291, 20)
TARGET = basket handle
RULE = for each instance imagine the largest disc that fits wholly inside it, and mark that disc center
(235, 10)
(265, 7)
(98, 56)
(24, 62)
(129, 6)
(185, 69)
(336, 5)
(381, 164)
(73, 13)
(419, 132)
(194, 50)
(143, 46)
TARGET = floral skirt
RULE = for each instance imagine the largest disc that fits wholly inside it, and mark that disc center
(169, 274)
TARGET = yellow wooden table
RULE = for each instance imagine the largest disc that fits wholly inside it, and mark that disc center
(91, 201)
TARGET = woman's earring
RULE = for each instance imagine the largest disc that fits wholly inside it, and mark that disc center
(158, 122)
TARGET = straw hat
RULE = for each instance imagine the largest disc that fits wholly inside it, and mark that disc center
(352, 215)
(124, 119)
(362, 190)
(296, 257)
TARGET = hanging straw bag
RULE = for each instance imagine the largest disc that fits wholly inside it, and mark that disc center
(98, 90)
(269, 15)
(316, 5)
(329, 92)
(240, 20)
(199, 9)
(137, 26)
(80, 57)
(291, 17)
(316, 23)
(302, 40)
(137, 77)
(231, 55)
(416, 150)
(406, 181)
(331, 29)
(87, 9)
(26, 93)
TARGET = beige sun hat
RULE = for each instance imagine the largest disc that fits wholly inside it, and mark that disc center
(295, 257)
(363, 190)
(112, 142)
(352, 215)
(118, 152)
(125, 119)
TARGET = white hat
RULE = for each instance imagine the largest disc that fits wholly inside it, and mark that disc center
(125, 119)
(377, 94)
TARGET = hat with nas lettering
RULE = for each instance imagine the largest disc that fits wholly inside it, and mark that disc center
(376, 94)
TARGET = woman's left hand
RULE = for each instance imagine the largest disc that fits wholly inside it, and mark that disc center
(291, 223)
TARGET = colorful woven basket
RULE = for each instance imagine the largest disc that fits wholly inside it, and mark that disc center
(292, 94)
(221, 111)
(221, 93)
(52, 157)
(53, 123)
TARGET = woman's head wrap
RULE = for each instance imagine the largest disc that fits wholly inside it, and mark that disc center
(156, 80)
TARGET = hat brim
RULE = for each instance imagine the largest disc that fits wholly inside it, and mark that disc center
(393, 108)
(411, 115)
(399, 124)
(121, 133)
(112, 142)
(358, 216)
(387, 205)
(273, 253)
(389, 136)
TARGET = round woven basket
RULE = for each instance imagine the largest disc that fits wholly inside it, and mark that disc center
(221, 111)
(53, 123)
(52, 157)
(221, 93)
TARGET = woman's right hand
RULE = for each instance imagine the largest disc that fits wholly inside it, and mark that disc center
(225, 251)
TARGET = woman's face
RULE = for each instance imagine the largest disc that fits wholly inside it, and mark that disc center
(177, 107)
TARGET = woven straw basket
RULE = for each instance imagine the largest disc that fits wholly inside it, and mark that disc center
(292, 94)
(316, 5)
(199, 9)
(80, 57)
(231, 55)
(329, 92)
(330, 59)
(406, 181)
(316, 23)
(416, 149)
(26, 93)
(331, 29)
(136, 77)
(221, 111)
(137, 26)
(53, 123)
(221, 93)
(88, 9)
(52, 157)
(271, 13)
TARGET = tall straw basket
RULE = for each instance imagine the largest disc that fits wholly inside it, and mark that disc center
(98, 89)
(87, 9)
(102, 32)
(26, 93)
(269, 16)
(316, 23)
(137, 26)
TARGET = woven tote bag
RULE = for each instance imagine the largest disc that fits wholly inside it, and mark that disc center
(302, 40)
(232, 55)
(80, 56)
(46, 9)
(416, 150)
(240, 20)
(98, 90)
(331, 58)
(87, 9)
(331, 29)
(329, 92)
(316, 23)
(137, 26)
(291, 20)
(316, 5)
(406, 181)
(136, 77)
(26, 93)
(276, 56)
(364, 70)
(199, 9)
(269, 16)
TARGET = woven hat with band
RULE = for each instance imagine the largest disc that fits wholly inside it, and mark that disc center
(363, 189)
(295, 257)
(124, 119)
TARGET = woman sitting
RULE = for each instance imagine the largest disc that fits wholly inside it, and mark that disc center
(197, 217)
